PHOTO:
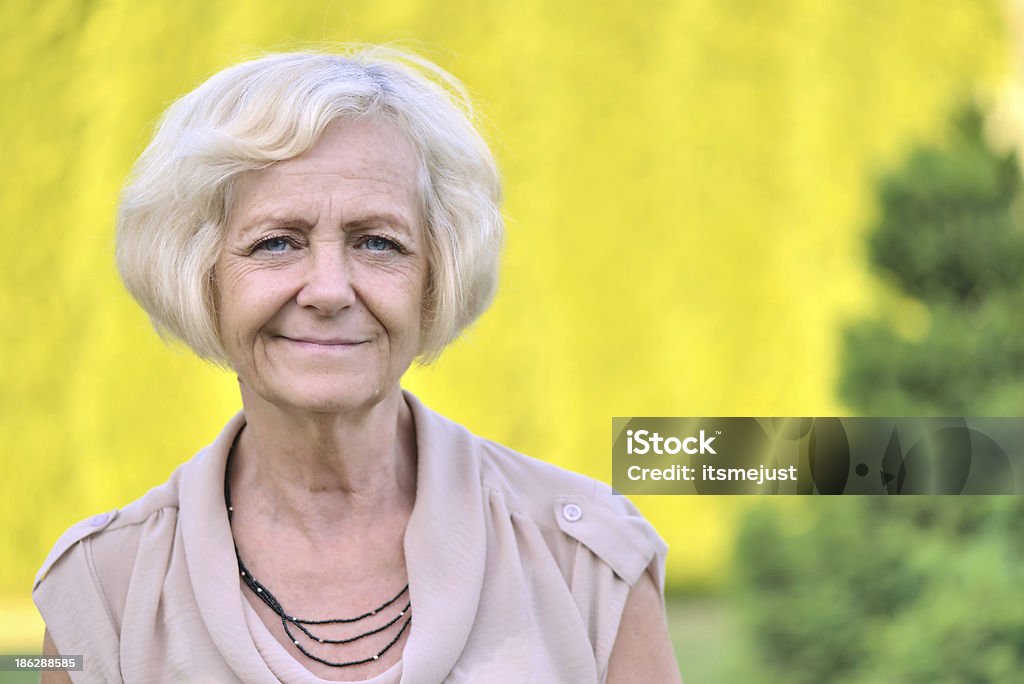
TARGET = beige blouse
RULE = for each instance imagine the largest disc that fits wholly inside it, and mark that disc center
(518, 570)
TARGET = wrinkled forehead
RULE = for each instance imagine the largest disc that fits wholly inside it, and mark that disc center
(365, 166)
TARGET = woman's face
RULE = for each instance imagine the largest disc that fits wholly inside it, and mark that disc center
(320, 283)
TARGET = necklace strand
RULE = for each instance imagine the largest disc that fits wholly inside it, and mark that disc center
(271, 601)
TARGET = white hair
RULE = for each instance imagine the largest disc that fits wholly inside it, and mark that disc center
(173, 210)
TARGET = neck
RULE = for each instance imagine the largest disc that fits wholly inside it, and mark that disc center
(314, 472)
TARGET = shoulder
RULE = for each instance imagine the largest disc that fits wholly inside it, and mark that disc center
(568, 509)
(109, 541)
(583, 510)
(82, 587)
(581, 541)
(120, 526)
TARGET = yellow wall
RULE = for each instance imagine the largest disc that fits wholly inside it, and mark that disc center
(688, 186)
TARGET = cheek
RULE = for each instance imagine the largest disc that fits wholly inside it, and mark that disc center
(395, 293)
(244, 302)
(410, 294)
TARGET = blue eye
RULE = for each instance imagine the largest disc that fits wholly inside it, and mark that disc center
(378, 244)
(274, 244)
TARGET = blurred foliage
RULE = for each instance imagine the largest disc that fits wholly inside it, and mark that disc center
(869, 590)
(950, 238)
(885, 589)
(685, 183)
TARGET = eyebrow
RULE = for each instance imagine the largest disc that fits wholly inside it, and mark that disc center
(374, 218)
(362, 221)
(260, 222)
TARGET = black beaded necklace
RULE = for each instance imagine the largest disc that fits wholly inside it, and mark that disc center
(286, 619)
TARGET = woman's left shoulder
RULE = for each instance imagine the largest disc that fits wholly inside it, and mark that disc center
(581, 520)
(579, 539)
(582, 510)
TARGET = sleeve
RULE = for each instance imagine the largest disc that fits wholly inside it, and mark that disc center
(70, 599)
(616, 545)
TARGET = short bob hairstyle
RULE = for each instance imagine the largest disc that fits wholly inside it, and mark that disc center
(174, 209)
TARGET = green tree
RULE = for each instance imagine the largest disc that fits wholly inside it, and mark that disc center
(912, 589)
(877, 590)
(948, 235)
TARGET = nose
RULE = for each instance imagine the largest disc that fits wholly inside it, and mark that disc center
(327, 286)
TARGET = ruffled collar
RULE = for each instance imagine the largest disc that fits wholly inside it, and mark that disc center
(445, 551)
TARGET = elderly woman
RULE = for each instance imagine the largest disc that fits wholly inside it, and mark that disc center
(315, 223)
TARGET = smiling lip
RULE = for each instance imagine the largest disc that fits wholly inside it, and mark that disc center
(324, 343)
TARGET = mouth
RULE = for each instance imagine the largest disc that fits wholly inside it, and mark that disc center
(324, 344)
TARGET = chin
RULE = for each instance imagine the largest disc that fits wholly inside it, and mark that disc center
(338, 396)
